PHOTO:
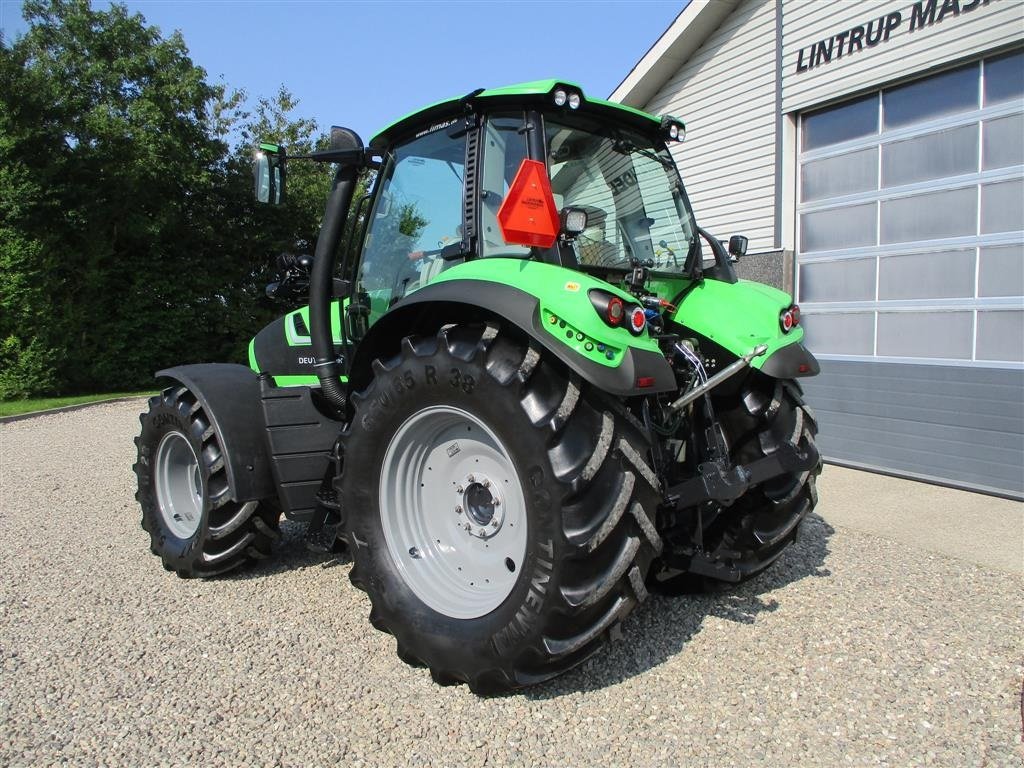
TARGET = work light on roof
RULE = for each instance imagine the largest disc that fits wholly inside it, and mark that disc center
(672, 129)
(564, 95)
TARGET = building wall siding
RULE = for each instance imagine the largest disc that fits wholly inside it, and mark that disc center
(985, 27)
(726, 95)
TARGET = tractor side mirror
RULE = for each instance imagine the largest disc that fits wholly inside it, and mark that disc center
(268, 174)
(737, 246)
(343, 139)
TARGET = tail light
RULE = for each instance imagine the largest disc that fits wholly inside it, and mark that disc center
(789, 318)
(615, 312)
(637, 320)
(618, 313)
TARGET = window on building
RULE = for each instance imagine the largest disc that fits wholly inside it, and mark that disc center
(846, 122)
(911, 219)
(946, 94)
(1004, 78)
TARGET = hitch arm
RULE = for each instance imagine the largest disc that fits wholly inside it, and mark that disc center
(715, 482)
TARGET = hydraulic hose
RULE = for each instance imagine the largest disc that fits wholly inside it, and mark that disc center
(327, 365)
(730, 370)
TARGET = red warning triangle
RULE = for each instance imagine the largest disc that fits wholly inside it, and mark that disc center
(528, 215)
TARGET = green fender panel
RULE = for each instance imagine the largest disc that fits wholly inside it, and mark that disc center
(739, 316)
(562, 294)
(549, 303)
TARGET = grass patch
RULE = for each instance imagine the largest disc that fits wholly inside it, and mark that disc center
(14, 407)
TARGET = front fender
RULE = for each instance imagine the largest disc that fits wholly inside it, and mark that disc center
(739, 316)
(575, 327)
(230, 396)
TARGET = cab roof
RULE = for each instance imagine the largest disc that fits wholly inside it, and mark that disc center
(538, 91)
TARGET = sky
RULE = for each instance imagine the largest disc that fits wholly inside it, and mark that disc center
(364, 64)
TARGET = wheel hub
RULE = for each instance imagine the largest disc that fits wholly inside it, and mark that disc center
(453, 511)
(179, 485)
(479, 499)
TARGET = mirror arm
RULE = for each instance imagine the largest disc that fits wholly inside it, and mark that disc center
(723, 264)
(361, 157)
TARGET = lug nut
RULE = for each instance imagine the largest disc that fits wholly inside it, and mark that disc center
(471, 479)
(468, 527)
(487, 483)
(483, 531)
(458, 510)
(460, 489)
(494, 523)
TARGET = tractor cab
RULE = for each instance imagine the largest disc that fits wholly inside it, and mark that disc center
(532, 172)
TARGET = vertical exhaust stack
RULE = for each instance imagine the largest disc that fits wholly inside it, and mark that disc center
(344, 142)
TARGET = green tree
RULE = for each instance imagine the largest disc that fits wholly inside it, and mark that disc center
(129, 240)
(115, 132)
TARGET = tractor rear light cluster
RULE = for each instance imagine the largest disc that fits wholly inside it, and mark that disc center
(790, 318)
(618, 313)
(563, 95)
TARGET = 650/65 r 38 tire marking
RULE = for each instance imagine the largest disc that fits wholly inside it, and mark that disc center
(195, 527)
(475, 427)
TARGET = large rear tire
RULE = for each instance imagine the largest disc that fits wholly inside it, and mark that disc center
(195, 528)
(499, 513)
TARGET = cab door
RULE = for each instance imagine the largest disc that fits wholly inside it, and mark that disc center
(415, 225)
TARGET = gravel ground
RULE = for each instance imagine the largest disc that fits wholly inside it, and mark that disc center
(853, 650)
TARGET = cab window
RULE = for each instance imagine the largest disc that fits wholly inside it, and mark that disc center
(416, 214)
(504, 152)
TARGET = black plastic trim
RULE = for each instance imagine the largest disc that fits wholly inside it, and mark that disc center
(300, 438)
(785, 363)
(230, 396)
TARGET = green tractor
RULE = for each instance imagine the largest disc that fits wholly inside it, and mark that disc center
(527, 392)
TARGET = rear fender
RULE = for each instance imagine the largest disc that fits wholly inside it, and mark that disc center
(742, 315)
(230, 396)
(576, 325)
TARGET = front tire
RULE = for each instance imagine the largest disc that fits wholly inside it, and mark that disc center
(195, 528)
(474, 428)
(754, 532)
(767, 519)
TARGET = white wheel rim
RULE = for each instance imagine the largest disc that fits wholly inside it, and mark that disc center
(453, 512)
(179, 485)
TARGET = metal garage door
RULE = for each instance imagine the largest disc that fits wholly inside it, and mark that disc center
(911, 276)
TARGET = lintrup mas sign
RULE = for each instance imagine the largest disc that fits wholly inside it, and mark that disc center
(923, 13)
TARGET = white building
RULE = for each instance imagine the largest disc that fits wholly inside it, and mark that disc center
(873, 152)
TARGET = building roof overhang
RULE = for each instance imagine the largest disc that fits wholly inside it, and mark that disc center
(672, 50)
